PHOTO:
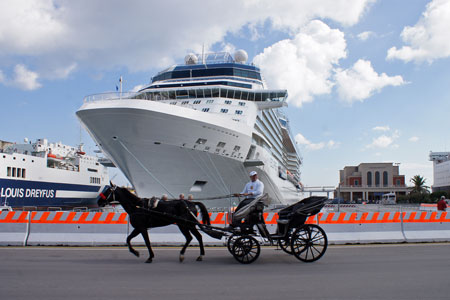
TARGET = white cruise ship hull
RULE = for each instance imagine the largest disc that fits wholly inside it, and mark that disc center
(156, 146)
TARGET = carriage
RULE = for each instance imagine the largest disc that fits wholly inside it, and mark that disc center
(307, 242)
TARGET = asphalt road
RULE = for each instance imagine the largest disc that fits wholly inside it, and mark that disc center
(404, 271)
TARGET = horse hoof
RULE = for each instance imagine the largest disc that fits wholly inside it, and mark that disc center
(181, 258)
(148, 261)
(200, 258)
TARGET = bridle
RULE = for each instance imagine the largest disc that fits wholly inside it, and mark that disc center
(112, 191)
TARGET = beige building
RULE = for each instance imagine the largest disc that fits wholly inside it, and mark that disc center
(369, 181)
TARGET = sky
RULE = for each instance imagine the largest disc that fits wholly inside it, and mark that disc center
(368, 81)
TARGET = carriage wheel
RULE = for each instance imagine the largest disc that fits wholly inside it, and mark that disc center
(246, 249)
(309, 243)
(230, 242)
(285, 243)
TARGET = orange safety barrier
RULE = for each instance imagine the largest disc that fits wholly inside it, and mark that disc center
(219, 218)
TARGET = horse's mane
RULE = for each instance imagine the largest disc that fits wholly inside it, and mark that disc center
(130, 196)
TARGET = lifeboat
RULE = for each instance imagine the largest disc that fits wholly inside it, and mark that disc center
(54, 157)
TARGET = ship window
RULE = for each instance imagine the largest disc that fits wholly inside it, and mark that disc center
(209, 101)
(236, 148)
(223, 93)
(237, 94)
(224, 110)
(23, 173)
(242, 103)
(201, 141)
(8, 172)
(192, 94)
(197, 101)
(221, 145)
(92, 170)
(238, 112)
(205, 109)
(19, 172)
(184, 102)
(207, 148)
(173, 102)
(227, 101)
(13, 172)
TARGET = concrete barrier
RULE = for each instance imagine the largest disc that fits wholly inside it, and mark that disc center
(423, 226)
(77, 228)
(109, 228)
(14, 226)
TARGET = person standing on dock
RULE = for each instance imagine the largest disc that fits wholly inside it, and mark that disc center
(442, 205)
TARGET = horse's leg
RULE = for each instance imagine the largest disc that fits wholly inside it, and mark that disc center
(199, 238)
(185, 231)
(132, 235)
(149, 247)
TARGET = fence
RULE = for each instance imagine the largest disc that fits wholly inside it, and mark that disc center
(111, 228)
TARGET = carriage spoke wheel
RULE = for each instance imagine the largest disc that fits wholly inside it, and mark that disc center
(285, 243)
(230, 242)
(309, 243)
(246, 249)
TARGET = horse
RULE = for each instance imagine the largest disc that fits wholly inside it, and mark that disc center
(180, 212)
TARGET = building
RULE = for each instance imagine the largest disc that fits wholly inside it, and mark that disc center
(369, 181)
(441, 171)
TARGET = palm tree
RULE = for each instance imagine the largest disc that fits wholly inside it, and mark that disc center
(419, 185)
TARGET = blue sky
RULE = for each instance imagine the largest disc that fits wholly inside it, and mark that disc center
(368, 81)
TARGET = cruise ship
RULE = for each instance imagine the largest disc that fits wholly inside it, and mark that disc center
(44, 175)
(199, 128)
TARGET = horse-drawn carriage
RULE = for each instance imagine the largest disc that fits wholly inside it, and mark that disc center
(307, 242)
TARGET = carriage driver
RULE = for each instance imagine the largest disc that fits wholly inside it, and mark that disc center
(252, 189)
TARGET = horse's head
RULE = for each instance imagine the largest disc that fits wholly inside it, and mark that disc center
(107, 196)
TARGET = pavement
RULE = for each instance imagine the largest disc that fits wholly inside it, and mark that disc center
(398, 271)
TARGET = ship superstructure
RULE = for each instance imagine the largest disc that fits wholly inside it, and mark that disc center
(199, 128)
(43, 174)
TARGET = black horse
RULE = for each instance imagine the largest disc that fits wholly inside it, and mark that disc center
(180, 212)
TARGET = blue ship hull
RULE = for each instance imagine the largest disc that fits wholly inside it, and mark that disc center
(18, 193)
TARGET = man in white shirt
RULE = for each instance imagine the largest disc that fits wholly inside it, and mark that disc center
(252, 189)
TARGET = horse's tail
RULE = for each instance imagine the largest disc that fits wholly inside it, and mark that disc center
(205, 215)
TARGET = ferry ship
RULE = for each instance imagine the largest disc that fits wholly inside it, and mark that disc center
(43, 175)
(199, 128)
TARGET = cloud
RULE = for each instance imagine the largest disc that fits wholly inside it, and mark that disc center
(413, 139)
(428, 40)
(385, 141)
(94, 35)
(303, 65)
(363, 36)
(25, 79)
(301, 140)
(381, 128)
(361, 81)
